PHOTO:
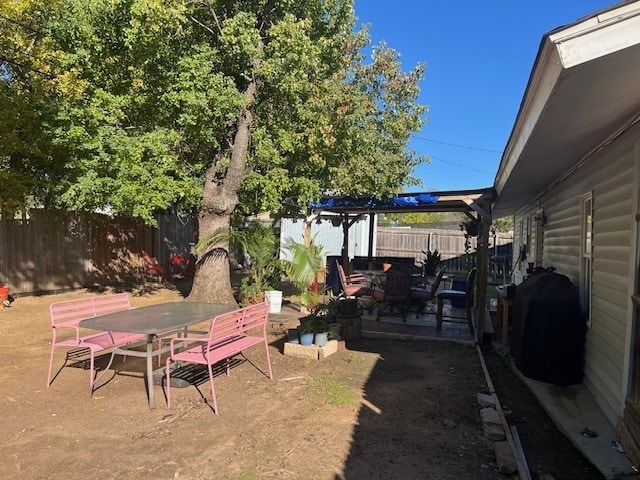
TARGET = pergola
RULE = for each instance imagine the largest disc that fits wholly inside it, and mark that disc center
(474, 203)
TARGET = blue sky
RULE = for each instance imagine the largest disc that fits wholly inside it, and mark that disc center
(478, 57)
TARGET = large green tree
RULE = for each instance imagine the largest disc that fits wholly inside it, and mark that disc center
(225, 106)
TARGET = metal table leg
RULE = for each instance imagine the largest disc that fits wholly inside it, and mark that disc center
(149, 378)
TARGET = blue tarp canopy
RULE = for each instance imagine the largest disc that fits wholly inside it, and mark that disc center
(443, 201)
(399, 201)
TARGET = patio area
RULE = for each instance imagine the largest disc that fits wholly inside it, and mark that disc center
(422, 327)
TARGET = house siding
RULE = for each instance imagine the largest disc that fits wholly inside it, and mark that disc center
(610, 176)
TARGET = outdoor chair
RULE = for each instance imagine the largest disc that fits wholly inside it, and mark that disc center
(354, 285)
(395, 293)
(67, 315)
(422, 296)
(230, 334)
(462, 295)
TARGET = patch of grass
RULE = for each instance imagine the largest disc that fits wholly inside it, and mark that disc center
(268, 435)
(330, 391)
(248, 475)
(352, 358)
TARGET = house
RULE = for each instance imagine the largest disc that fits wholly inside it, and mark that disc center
(570, 174)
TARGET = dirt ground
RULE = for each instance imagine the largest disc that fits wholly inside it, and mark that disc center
(376, 410)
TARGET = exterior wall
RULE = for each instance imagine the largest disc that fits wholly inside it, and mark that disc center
(327, 235)
(611, 177)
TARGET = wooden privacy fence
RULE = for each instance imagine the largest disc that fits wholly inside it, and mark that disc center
(410, 242)
(50, 251)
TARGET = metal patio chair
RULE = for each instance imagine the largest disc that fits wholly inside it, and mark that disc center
(422, 296)
(463, 295)
(395, 293)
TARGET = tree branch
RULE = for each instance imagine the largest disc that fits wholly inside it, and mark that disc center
(215, 17)
(195, 20)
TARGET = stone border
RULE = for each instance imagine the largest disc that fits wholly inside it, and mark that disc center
(497, 429)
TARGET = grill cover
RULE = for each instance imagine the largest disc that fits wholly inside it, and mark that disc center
(548, 330)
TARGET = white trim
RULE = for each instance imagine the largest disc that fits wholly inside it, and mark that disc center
(586, 276)
(543, 81)
(598, 36)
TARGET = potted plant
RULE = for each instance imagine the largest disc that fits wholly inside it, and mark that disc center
(321, 336)
(328, 312)
(430, 262)
(303, 269)
(306, 330)
(472, 227)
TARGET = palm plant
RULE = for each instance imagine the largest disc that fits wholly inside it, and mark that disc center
(307, 262)
(262, 246)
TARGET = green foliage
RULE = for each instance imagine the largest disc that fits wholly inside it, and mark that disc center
(132, 106)
(416, 219)
(503, 225)
(307, 324)
(263, 247)
(472, 228)
(307, 261)
(250, 292)
(318, 319)
(430, 261)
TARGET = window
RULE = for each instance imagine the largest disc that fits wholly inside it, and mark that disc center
(586, 247)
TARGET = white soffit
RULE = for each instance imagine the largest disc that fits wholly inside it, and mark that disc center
(582, 87)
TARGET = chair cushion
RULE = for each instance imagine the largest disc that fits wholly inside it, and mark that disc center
(356, 290)
(452, 294)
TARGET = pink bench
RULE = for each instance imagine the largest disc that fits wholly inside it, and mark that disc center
(67, 315)
(229, 334)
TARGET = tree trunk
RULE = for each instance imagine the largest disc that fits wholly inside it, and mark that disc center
(212, 280)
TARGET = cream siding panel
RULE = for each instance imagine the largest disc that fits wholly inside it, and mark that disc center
(605, 296)
(613, 378)
(614, 254)
(610, 178)
(612, 339)
(604, 355)
(606, 400)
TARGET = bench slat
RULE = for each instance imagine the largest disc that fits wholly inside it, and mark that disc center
(228, 336)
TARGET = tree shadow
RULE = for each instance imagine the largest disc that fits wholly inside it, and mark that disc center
(411, 424)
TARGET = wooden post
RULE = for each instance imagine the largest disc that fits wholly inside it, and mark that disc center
(345, 242)
(481, 292)
(372, 225)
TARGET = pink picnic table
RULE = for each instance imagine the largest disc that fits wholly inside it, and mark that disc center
(155, 321)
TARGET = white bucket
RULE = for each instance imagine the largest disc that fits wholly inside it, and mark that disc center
(274, 297)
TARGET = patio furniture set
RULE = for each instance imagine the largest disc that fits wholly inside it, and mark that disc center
(124, 330)
(400, 289)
